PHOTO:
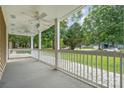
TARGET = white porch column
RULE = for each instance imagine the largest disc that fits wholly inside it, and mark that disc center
(39, 40)
(57, 41)
(7, 48)
(39, 45)
(32, 42)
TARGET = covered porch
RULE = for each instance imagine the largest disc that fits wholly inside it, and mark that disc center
(24, 67)
(38, 67)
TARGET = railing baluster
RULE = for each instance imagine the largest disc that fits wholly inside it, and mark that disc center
(74, 64)
(65, 60)
(83, 66)
(54, 57)
(96, 68)
(114, 70)
(80, 65)
(53, 54)
(102, 69)
(59, 57)
(107, 71)
(87, 67)
(77, 62)
(69, 61)
(92, 67)
(62, 61)
(121, 71)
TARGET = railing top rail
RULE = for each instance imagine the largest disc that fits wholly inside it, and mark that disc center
(95, 52)
(21, 49)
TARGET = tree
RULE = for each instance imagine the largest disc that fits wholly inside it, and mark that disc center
(70, 30)
(48, 37)
(73, 36)
(105, 24)
(21, 41)
(12, 38)
(76, 17)
(63, 30)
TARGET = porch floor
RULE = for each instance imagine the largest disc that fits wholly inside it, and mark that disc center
(29, 73)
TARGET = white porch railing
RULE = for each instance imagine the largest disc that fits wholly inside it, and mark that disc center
(47, 56)
(19, 53)
(105, 69)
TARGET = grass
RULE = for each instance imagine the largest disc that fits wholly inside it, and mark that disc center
(85, 48)
(79, 59)
(23, 52)
(122, 50)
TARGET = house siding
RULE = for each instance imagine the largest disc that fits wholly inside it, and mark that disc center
(2, 43)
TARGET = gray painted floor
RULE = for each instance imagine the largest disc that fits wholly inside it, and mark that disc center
(32, 74)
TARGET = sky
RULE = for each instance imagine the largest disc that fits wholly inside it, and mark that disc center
(85, 12)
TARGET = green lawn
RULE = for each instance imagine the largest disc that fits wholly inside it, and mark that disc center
(79, 58)
(122, 50)
(23, 52)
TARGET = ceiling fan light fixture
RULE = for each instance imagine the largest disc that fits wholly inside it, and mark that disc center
(37, 25)
(12, 24)
(13, 16)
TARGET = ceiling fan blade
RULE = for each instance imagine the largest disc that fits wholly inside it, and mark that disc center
(46, 21)
(27, 14)
(42, 15)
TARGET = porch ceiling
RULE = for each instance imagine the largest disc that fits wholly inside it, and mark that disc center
(22, 20)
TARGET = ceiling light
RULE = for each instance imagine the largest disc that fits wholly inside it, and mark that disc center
(13, 16)
(12, 24)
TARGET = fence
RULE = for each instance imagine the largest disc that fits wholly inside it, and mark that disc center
(102, 68)
(19, 53)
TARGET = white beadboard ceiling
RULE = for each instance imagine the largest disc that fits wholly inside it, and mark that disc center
(22, 19)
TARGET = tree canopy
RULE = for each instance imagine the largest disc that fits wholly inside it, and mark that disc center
(105, 24)
(19, 41)
(73, 36)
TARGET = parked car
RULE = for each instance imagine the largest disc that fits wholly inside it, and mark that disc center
(112, 49)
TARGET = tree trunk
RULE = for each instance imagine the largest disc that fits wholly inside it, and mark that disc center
(99, 46)
(72, 47)
(80, 46)
(113, 44)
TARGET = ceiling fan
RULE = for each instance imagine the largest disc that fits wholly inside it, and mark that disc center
(36, 16)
